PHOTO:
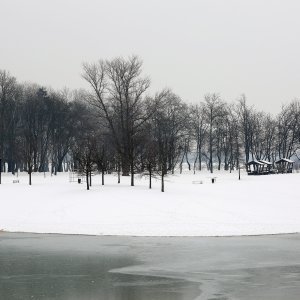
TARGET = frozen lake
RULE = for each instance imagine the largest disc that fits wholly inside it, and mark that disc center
(40, 266)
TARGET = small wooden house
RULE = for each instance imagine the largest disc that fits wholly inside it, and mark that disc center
(267, 167)
(254, 167)
(284, 165)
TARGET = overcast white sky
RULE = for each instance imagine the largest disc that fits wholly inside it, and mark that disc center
(193, 46)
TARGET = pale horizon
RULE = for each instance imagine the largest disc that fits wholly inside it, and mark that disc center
(192, 47)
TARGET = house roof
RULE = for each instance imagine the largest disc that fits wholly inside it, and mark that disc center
(265, 162)
(284, 160)
(255, 162)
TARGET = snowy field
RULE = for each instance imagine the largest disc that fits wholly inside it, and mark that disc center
(254, 205)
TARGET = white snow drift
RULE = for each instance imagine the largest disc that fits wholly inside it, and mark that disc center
(254, 205)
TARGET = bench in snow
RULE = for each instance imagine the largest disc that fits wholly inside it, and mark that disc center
(197, 182)
(16, 181)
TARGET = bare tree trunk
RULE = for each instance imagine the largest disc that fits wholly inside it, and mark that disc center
(195, 162)
(119, 172)
(200, 159)
(150, 177)
(180, 165)
(219, 163)
(187, 160)
(132, 173)
(210, 160)
(103, 176)
(87, 180)
(210, 150)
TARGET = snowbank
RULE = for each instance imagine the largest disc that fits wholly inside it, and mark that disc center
(254, 205)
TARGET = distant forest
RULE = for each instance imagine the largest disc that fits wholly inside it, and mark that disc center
(115, 127)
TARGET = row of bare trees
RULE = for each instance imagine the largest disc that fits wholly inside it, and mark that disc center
(37, 127)
(115, 126)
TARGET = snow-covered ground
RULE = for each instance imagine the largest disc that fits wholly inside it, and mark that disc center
(254, 205)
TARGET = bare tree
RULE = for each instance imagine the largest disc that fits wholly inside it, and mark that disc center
(117, 95)
(213, 111)
(235, 137)
(169, 131)
(288, 130)
(29, 129)
(199, 132)
(8, 117)
(245, 114)
(84, 146)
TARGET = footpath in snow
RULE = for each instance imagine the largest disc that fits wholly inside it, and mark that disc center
(254, 205)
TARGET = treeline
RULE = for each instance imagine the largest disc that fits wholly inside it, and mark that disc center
(116, 126)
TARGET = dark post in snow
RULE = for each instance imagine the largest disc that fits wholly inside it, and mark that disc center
(150, 177)
(239, 173)
(29, 173)
(119, 170)
(0, 169)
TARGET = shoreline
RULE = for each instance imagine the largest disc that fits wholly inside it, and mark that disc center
(151, 236)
